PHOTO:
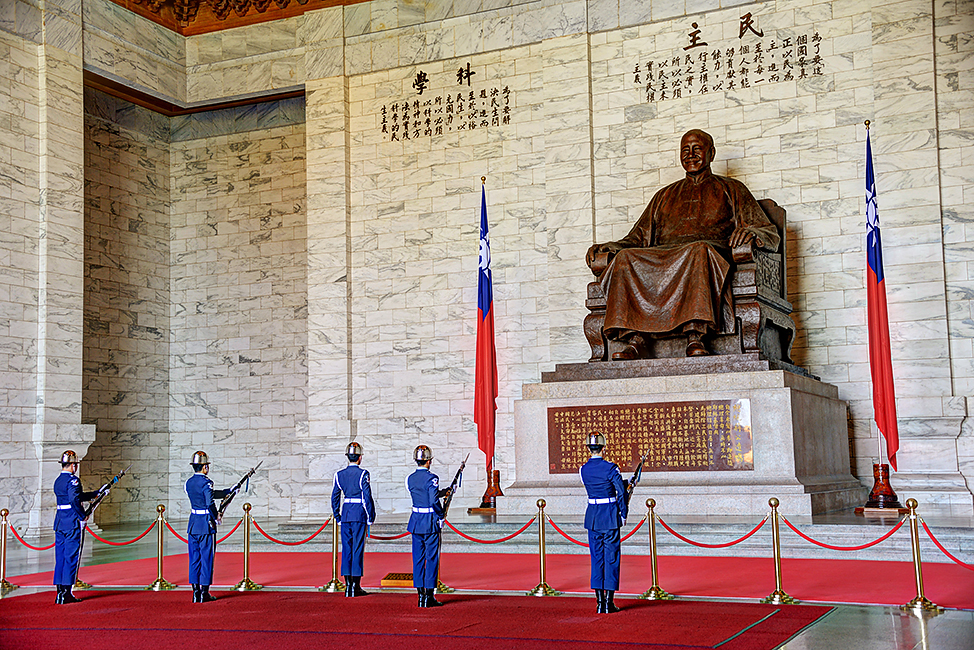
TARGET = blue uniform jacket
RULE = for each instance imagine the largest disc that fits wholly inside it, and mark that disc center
(199, 487)
(354, 482)
(67, 489)
(424, 489)
(603, 482)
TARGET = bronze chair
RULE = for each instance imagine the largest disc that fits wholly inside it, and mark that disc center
(761, 309)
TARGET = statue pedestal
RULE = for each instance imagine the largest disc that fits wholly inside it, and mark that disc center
(799, 437)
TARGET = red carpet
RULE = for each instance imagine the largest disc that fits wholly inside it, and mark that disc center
(312, 620)
(824, 581)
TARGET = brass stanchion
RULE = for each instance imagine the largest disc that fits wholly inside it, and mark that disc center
(247, 584)
(334, 585)
(920, 603)
(5, 587)
(778, 596)
(542, 589)
(160, 584)
(655, 592)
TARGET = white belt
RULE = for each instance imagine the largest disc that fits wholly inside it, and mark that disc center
(354, 501)
(598, 502)
(200, 512)
(423, 511)
(67, 507)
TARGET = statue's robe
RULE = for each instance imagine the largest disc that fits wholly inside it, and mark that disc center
(676, 262)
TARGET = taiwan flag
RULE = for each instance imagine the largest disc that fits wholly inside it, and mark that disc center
(880, 360)
(485, 383)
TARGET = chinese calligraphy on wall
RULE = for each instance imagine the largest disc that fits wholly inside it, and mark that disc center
(423, 115)
(677, 436)
(754, 59)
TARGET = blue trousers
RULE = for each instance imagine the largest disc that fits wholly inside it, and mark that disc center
(353, 547)
(605, 547)
(426, 559)
(67, 554)
(202, 549)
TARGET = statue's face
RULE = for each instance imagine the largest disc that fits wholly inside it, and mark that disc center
(696, 154)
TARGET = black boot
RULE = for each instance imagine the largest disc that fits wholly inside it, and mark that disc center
(610, 606)
(431, 600)
(59, 599)
(196, 594)
(349, 586)
(68, 597)
(205, 596)
(600, 598)
(358, 591)
(422, 596)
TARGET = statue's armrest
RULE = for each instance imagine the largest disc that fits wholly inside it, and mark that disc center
(601, 262)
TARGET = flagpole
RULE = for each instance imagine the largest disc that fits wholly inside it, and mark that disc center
(882, 498)
(879, 434)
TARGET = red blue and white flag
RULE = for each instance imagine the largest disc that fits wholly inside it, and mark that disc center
(485, 382)
(880, 360)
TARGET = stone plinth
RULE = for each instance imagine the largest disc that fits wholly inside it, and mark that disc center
(798, 425)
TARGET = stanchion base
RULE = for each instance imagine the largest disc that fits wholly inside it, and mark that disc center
(333, 587)
(442, 588)
(921, 604)
(657, 593)
(81, 584)
(543, 590)
(6, 588)
(247, 585)
(779, 597)
(161, 584)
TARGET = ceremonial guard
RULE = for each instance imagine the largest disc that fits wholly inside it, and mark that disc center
(356, 513)
(605, 515)
(202, 527)
(69, 526)
(425, 523)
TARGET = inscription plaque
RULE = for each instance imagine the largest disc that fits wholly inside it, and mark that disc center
(678, 436)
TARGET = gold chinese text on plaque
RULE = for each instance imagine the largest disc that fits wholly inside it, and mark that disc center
(678, 436)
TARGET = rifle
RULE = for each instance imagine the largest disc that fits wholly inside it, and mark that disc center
(636, 475)
(103, 492)
(450, 491)
(233, 491)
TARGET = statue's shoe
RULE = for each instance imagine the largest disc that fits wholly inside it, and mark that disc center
(627, 353)
(696, 349)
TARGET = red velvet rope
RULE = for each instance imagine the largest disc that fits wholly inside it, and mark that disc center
(490, 541)
(178, 536)
(303, 541)
(563, 534)
(35, 548)
(942, 549)
(690, 541)
(386, 538)
(224, 538)
(843, 548)
(633, 531)
(100, 539)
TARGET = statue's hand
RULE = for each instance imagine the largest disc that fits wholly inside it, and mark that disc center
(741, 236)
(595, 249)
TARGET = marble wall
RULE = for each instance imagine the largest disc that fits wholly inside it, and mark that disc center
(19, 238)
(238, 312)
(127, 302)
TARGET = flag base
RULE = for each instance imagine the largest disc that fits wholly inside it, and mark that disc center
(488, 503)
(882, 499)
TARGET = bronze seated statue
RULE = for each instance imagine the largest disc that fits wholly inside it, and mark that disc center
(702, 272)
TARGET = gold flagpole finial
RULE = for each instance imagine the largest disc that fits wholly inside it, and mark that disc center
(867, 125)
(483, 179)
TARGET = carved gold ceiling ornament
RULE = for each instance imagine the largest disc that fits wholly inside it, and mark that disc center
(191, 17)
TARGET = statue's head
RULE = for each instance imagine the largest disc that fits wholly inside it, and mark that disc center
(696, 151)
